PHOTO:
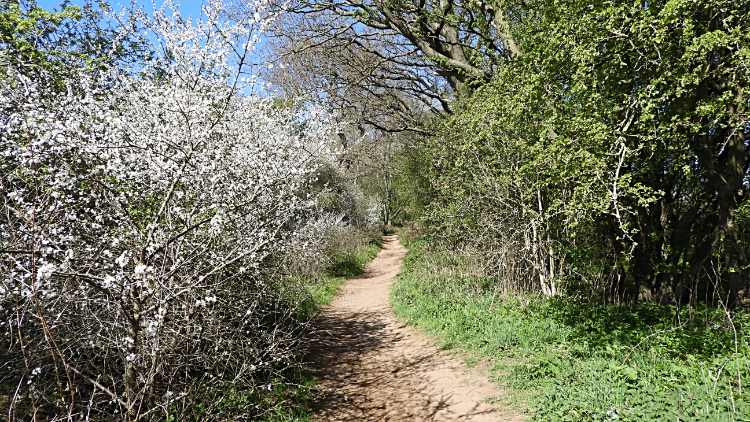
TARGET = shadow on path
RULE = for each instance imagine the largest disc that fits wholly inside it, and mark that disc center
(370, 367)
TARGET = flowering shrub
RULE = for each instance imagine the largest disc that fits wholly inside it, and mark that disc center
(139, 207)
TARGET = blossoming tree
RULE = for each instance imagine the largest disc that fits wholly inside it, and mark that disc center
(138, 209)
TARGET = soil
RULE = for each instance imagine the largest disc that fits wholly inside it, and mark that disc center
(371, 367)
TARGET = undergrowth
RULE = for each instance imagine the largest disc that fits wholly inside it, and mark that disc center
(290, 389)
(575, 360)
(346, 264)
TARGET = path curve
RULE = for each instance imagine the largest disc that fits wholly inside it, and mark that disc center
(371, 367)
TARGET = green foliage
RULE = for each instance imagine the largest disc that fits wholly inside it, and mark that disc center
(285, 400)
(25, 30)
(411, 187)
(347, 257)
(612, 155)
(71, 39)
(352, 263)
(346, 264)
(581, 360)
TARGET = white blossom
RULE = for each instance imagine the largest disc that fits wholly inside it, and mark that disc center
(147, 203)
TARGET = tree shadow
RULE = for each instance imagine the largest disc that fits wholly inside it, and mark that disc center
(602, 325)
(359, 361)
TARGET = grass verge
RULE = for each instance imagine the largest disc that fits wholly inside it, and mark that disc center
(574, 360)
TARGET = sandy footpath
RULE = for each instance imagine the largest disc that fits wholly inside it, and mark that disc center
(370, 367)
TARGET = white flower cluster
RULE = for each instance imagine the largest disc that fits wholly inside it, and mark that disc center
(374, 211)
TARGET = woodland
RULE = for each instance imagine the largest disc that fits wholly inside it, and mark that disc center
(180, 195)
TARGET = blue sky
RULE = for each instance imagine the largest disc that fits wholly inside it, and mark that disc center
(187, 8)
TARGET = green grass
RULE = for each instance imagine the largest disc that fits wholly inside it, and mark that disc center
(581, 361)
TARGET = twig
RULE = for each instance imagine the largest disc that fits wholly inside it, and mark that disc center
(718, 374)
(99, 386)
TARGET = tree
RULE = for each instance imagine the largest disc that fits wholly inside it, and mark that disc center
(411, 59)
(139, 210)
(619, 140)
(34, 40)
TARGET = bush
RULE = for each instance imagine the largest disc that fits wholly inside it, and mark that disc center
(142, 211)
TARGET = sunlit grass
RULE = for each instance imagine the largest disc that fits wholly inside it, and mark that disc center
(575, 360)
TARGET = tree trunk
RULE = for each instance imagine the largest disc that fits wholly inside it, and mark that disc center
(131, 375)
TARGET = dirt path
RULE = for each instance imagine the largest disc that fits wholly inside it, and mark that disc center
(370, 367)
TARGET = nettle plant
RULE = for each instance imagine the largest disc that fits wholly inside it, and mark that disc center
(138, 209)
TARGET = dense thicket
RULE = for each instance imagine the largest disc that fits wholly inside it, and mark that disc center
(611, 157)
(158, 216)
(591, 147)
